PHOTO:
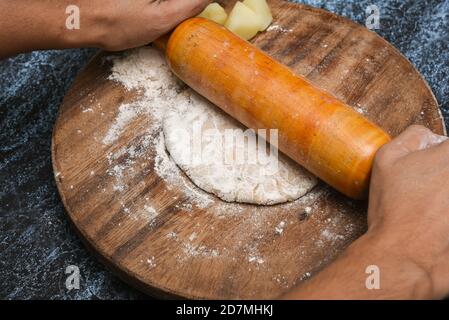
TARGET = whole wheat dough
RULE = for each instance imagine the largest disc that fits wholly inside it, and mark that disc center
(232, 181)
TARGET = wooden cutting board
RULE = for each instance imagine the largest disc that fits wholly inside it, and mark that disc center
(196, 249)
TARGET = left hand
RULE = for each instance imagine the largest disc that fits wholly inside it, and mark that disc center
(125, 24)
(27, 25)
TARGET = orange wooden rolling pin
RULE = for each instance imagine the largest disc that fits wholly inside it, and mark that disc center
(316, 129)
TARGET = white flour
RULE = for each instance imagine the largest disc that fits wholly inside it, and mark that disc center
(146, 71)
(278, 28)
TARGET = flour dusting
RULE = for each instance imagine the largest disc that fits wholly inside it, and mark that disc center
(146, 72)
(279, 28)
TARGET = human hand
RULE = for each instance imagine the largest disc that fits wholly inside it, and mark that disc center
(122, 24)
(408, 227)
(409, 204)
(107, 24)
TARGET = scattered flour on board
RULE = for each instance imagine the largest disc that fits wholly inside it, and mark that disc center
(280, 227)
(278, 28)
(145, 71)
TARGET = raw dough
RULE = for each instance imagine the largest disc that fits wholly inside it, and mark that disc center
(194, 135)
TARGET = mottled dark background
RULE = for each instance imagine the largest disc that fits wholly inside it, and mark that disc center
(36, 241)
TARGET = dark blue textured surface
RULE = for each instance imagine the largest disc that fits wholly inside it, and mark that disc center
(36, 240)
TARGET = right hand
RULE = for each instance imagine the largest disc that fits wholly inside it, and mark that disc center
(409, 203)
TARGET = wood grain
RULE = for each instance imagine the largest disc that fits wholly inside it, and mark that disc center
(252, 258)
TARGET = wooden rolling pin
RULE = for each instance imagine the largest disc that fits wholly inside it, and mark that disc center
(317, 130)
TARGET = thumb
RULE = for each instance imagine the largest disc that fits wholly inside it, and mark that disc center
(414, 138)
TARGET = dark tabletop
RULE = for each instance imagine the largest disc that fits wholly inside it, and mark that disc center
(37, 243)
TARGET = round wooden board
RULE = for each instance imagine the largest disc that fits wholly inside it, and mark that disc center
(221, 250)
